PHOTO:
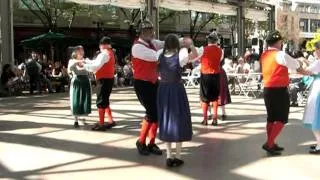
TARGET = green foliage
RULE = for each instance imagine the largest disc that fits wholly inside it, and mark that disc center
(50, 11)
(310, 46)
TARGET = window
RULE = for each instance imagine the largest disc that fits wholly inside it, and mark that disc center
(304, 25)
(314, 25)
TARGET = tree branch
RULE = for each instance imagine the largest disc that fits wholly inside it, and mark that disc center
(124, 13)
(193, 25)
(34, 13)
(135, 16)
(171, 14)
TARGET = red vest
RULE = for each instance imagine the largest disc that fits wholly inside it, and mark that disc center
(274, 74)
(107, 70)
(210, 60)
(145, 70)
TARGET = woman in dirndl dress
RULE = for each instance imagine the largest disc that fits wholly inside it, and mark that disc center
(311, 116)
(224, 96)
(80, 87)
(174, 115)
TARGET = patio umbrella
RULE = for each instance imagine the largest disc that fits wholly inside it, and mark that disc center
(44, 39)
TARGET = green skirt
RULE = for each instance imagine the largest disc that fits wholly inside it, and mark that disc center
(80, 95)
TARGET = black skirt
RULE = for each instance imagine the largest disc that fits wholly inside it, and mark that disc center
(104, 88)
(277, 101)
(147, 95)
(209, 87)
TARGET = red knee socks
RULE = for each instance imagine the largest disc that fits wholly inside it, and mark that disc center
(109, 113)
(144, 131)
(101, 115)
(205, 110)
(153, 132)
(215, 109)
(275, 131)
(269, 128)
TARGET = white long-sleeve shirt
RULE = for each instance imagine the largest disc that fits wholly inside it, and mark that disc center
(284, 59)
(200, 51)
(183, 56)
(142, 52)
(95, 65)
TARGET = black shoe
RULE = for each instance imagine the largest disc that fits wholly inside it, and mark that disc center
(278, 148)
(214, 122)
(313, 146)
(76, 125)
(177, 162)
(294, 104)
(142, 148)
(314, 151)
(154, 149)
(98, 127)
(271, 151)
(223, 117)
(110, 125)
(204, 122)
(169, 162)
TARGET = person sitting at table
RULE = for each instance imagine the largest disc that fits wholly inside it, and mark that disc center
(242, 67)
(10, 81)
(59, 76)
(299, 85)
(228, 66)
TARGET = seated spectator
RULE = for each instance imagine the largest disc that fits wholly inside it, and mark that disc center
(45, 74)
(119, 76)
(60, 77)
(10, 83)
(299, 85)
(128, 74)
(243, 67)
(228, 66)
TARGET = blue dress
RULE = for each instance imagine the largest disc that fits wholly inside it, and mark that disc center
(311, 118)
(174, 115)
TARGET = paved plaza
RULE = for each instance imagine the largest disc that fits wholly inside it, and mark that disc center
(38, 141)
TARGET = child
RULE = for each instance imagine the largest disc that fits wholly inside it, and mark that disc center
(80, 88)
(172, 103)
(312, 114)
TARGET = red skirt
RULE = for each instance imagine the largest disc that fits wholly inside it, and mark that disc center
(224, 96)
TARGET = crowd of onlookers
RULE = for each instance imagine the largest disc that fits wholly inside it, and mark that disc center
(38, 74)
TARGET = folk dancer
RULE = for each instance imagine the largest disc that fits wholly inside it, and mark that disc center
(275, 64)
(104, 67)
(145, 63)
(80, 87)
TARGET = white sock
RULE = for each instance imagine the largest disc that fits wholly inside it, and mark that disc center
(178, 150)
(169, 150)
(75, 118)
(223, 109)
(317, 135)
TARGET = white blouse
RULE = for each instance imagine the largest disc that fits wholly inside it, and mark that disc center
(183, 56)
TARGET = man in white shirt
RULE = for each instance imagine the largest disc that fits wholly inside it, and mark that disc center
(145, 74)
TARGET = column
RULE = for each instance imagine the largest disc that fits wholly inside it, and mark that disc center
(272, 19)
(6, 33)
(241, 28)
(153, 14)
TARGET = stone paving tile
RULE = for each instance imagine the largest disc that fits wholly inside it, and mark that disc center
(37, 141)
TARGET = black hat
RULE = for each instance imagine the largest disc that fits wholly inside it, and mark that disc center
(146, 24)
(105, 40)
(213, 36)
(273, 37)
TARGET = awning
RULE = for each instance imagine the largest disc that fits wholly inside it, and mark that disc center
(132, 4)
(257, 15)
(198, 5)
(183, 5)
